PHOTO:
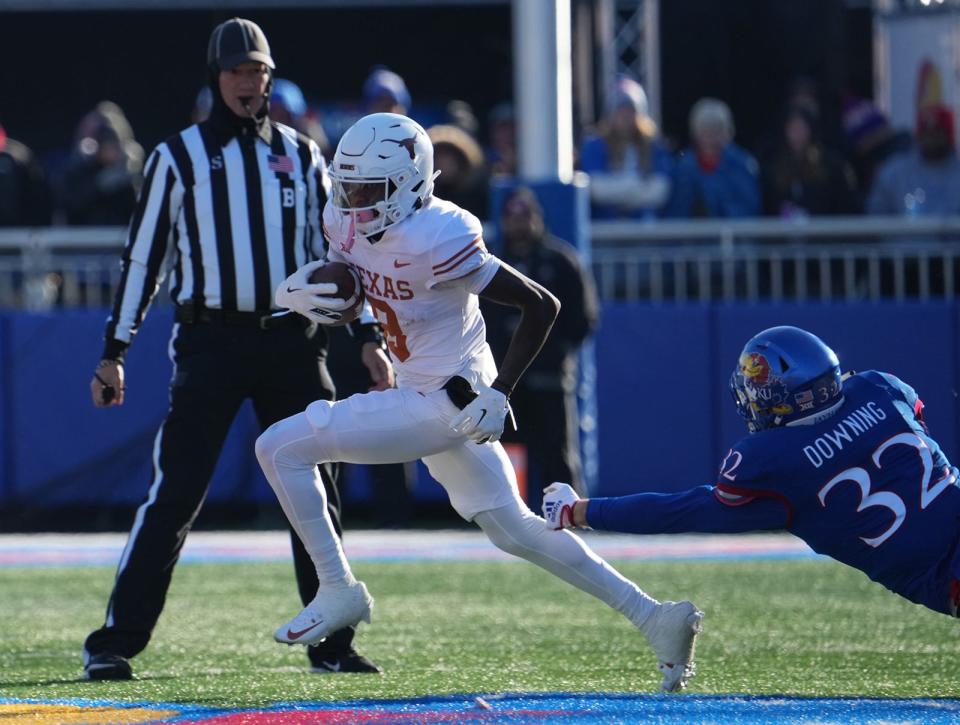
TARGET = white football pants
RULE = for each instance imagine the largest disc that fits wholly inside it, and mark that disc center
(399, 425)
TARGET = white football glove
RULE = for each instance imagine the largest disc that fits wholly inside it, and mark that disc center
(297, 294)
(558, 501)
(482, 420)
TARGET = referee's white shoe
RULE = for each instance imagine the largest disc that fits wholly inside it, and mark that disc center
(330, 610)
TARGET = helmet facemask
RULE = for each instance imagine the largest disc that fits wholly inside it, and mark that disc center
(763, 405)
(373, 202)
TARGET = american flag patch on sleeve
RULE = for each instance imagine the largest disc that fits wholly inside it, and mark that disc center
(280, 164)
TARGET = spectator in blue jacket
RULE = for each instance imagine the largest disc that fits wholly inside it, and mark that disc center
(630, 170)
(715, 177)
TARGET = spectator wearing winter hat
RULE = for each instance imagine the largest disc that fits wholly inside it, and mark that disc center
(289, 107)
(385, 92)
(630, 170)
(871, 141)
(100, 181)
(925, 180)
(463, 178)
(715, 177)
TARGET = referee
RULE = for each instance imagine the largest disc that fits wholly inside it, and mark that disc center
(235, 203)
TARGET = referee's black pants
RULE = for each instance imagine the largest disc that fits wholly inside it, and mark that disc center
(217, 367)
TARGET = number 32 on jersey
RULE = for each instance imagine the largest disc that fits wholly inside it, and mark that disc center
(888, 499)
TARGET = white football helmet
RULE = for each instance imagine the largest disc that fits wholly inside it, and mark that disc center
(382, 171)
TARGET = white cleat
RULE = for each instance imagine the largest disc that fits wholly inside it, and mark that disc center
(672, 631)
(330, 611)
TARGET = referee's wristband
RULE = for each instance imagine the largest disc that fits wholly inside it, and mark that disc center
(114, 350)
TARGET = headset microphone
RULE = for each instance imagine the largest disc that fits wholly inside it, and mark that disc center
(245, 102)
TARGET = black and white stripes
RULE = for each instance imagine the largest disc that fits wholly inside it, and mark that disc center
(233, 220)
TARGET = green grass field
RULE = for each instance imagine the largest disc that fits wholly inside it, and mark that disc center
(808, 627)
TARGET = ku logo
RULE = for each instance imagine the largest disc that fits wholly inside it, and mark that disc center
(216, 163)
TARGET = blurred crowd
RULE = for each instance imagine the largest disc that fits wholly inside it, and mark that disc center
(805, 167)
(811, 163)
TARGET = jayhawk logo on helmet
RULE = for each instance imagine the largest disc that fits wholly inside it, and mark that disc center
(755, 368)
(765, 391)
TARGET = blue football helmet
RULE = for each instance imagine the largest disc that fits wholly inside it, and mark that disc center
(785, 374)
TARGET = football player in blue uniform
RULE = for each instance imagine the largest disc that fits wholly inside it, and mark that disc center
(844, 462)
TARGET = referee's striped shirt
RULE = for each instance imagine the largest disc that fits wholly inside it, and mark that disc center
(231, 218)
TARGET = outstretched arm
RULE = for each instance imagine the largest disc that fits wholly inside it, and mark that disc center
(694, 510)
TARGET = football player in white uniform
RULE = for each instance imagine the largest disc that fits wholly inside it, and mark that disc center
(423, 264)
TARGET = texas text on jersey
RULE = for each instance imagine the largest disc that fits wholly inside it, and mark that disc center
(422, 278)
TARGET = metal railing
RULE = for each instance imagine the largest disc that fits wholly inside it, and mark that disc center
(829, 258)
(47, 267)
(835, 258)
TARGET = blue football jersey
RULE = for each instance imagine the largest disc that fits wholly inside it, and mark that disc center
(867, 486)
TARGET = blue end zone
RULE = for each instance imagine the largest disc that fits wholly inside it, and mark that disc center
(600, 708)
(568, 708)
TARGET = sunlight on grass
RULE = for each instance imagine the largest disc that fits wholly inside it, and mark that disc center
(786, 627)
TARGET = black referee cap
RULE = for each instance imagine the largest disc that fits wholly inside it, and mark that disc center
(237, 41)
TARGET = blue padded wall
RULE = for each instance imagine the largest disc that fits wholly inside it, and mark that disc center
(664, 411)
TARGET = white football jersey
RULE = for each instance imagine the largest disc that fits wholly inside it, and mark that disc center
(422, 279)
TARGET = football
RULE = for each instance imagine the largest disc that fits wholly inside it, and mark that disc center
(348, 288)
